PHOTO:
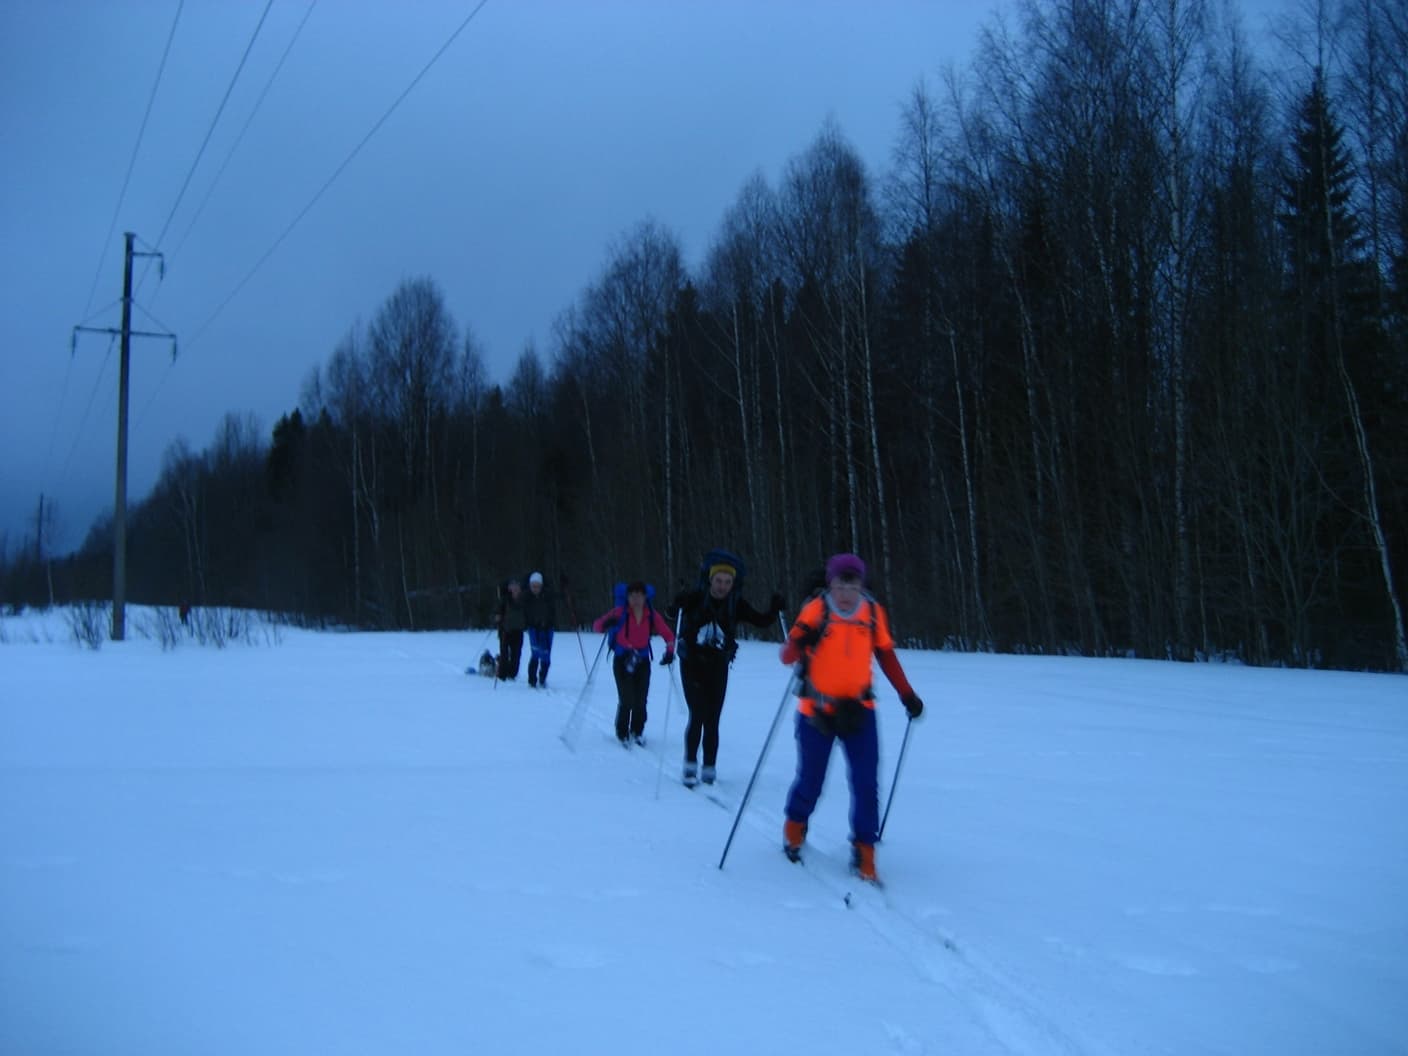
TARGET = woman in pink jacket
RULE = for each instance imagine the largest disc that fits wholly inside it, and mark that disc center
(632, 625)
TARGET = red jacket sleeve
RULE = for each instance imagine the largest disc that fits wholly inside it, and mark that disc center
(808, 620)
(607, 619)
(890, 664)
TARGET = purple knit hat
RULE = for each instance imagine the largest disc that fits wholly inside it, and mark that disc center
(845, 566)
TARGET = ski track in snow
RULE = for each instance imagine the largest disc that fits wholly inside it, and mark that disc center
(995, 1002)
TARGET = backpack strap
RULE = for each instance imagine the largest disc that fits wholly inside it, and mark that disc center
(617, 645)
(804, 684)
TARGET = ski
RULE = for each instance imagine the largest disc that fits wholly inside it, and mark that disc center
(713, 797)
(705, 793)
(852, 893)
(850, 896)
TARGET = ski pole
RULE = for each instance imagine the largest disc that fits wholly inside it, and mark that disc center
(499, 626)
(669, 698)
(475, 665)
(747, 792)
(889, 802)
(573, 726)
(572, 611)
(743, 803)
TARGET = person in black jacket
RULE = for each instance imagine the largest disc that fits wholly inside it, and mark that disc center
(541, 616)
(511, 622)
(708, 621)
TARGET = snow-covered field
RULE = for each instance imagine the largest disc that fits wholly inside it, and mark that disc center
(341, 843)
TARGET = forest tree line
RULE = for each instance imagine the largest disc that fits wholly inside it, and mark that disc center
(1110, 359)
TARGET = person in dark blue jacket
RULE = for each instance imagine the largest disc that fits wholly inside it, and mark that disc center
(540, 615)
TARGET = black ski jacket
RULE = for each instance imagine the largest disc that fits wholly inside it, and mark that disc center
(539, 610)
(708, 629)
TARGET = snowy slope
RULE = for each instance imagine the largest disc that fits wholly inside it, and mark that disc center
(340, 843)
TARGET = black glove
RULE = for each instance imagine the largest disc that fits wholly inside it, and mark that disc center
(668, 658)
(912, 704)
(777, 604)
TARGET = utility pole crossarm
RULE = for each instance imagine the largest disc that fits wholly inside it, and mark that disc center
(118, 333)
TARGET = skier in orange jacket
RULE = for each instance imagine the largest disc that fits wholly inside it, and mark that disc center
(835, 636)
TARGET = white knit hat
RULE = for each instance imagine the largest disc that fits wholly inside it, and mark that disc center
(536, 577)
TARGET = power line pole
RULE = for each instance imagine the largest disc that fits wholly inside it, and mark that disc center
(40, 520)
(119, 515)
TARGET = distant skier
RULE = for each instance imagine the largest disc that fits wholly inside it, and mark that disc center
(836, 634)
(511, 622)
(540, 614)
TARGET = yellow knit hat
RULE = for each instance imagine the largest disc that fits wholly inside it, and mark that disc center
(722, 566)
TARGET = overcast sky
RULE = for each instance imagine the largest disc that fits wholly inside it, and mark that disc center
(545, 130)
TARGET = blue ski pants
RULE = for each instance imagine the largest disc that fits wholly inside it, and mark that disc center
(540, 642)
(862, 750)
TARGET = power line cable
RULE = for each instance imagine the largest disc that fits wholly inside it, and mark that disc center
(312, 202)
(83, 422)
(248, 121)
(63, 395)
(101, 311)
(153, 318)
(213, 122)
(58, 413)
(139, 416)
(171, 363)
(132, 162)
(336, 173)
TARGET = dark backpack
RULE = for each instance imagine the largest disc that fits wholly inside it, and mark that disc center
(722, 557)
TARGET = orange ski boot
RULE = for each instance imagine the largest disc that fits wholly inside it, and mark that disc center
(863, 862)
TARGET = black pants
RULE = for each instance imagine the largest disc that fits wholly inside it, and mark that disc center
(705, 682)
(632, 687)
(510, 653)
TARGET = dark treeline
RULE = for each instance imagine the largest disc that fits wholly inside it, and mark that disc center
(1111, 359)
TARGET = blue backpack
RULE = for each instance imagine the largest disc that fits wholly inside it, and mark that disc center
(722, 557)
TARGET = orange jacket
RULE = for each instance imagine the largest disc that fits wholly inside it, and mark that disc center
(839, 665)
